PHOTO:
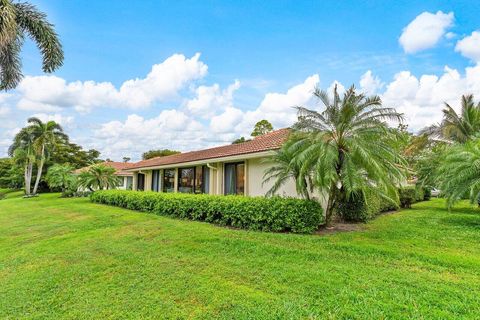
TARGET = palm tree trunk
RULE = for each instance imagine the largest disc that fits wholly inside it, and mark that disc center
(40, 169)
(330, 205)
(27, 182)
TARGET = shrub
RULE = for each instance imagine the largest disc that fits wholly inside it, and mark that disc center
(254, 213)
(419, 193)
(360, 208)
(407, 196)
(388, 205)
(427, 194)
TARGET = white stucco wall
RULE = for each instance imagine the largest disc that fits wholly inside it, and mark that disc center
(256, 169)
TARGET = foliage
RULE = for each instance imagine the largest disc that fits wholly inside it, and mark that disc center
(254, 213)
(11, 175)
(126, 159)
(240, 140)
(428, 163)
(283, 168)
(457, 127)
(22, 151)
(419, 193)
(61, 176)
(98, 177)
(360, 207)
(158, 153)
(17, 21)
(407, 195)
(261, 127)
(73, 154)
(348, 148)
(459, 173)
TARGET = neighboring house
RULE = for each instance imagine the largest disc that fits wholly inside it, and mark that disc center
(231, 169)
(125, 177)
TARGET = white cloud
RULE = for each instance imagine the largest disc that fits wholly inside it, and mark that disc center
(470, 46)
(64, 121)
(425, 31)
(370, 84)
(4, 111)
(211, 99)
(163, 82)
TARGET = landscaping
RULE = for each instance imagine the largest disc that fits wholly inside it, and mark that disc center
(70, 258)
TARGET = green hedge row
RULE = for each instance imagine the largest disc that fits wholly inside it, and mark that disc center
(360, 208)
(254, 213)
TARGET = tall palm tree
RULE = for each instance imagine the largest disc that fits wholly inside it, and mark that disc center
(23, 152)
(283, 169)
(98, 177)
(459, 173)
(47, 136)
(348, 148)
(17, 21)
(457, 127)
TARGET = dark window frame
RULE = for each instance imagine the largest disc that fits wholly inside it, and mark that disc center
(235, 164)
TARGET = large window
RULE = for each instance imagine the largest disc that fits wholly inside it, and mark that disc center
(129, 183)
(156, 180)
(141, 182)
(235, 178)
(169, 180)
(186, 180)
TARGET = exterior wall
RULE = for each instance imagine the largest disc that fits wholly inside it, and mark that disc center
(255, 171)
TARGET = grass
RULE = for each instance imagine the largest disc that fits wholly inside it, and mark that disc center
(69, 258)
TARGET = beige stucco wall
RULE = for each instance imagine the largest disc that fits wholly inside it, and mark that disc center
(255, 170)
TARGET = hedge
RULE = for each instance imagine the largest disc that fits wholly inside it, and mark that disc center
(253, 213)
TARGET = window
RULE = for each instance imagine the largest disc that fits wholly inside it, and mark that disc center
(206, 179)
(129, 183)
(141, 182)
(235, 178)
(169, 180)
(186, 180)
(156, 180)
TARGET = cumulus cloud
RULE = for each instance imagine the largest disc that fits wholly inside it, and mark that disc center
(211, 99)
(470, 46)
(425, 31)
(163, 82)
(4, 111)
(64, 121)
(370, 84)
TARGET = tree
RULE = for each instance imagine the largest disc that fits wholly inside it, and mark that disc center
(347, 148)
(23, 153)
(283, 168)
(67, 152)
(261, 127)
(10, 174)
(19, 20)
(457, 127)
(99, 177)
(240, 140)
(158, 153)
(459, 173)
(47, 136)
(60, 176)
(126, 159)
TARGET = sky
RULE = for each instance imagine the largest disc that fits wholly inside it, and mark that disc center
(186, 75)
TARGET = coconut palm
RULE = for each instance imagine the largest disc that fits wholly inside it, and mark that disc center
(283, 169)
(98, 177)
(348, 149)
(457, 127)
(60, 176)
(17, 21)
(459, 173)
(47, 136)
(23, 152)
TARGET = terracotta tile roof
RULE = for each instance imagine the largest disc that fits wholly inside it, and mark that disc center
(118, 166)
(270, 141)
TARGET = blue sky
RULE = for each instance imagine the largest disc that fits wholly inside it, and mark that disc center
(255, 52)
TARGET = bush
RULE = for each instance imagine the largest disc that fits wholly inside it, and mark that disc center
(254, 213)
(419, 193)
(427, 194)
(388, 205)
(407, 196)
(360, 208)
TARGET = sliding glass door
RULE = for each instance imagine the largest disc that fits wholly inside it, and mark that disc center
(186, 180)
(168, 180)
(235, 178)
(140, 182)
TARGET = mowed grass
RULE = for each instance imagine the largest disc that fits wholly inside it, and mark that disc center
(69, 258)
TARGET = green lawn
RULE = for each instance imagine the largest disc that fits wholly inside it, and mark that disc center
(68, 258)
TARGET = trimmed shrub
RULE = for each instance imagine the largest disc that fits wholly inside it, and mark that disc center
(407, 196)
(360, 208)
(388, 205)
(419, 193)
(253, 213)
(427, 194)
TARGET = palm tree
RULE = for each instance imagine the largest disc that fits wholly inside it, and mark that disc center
(17, 21)
(459, 173)
(283, 169)
(60, 176)
(348, 148)
(47, 136)
(98, 177)
(457, 127)
(23, 152)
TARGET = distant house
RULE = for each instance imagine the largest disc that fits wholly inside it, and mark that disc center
(125, 177)
(230, 169)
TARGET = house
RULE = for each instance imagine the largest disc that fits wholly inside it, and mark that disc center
(125, 177)
(231, 169)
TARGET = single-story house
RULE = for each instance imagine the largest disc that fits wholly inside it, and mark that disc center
(230, 169)
(125, 177)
